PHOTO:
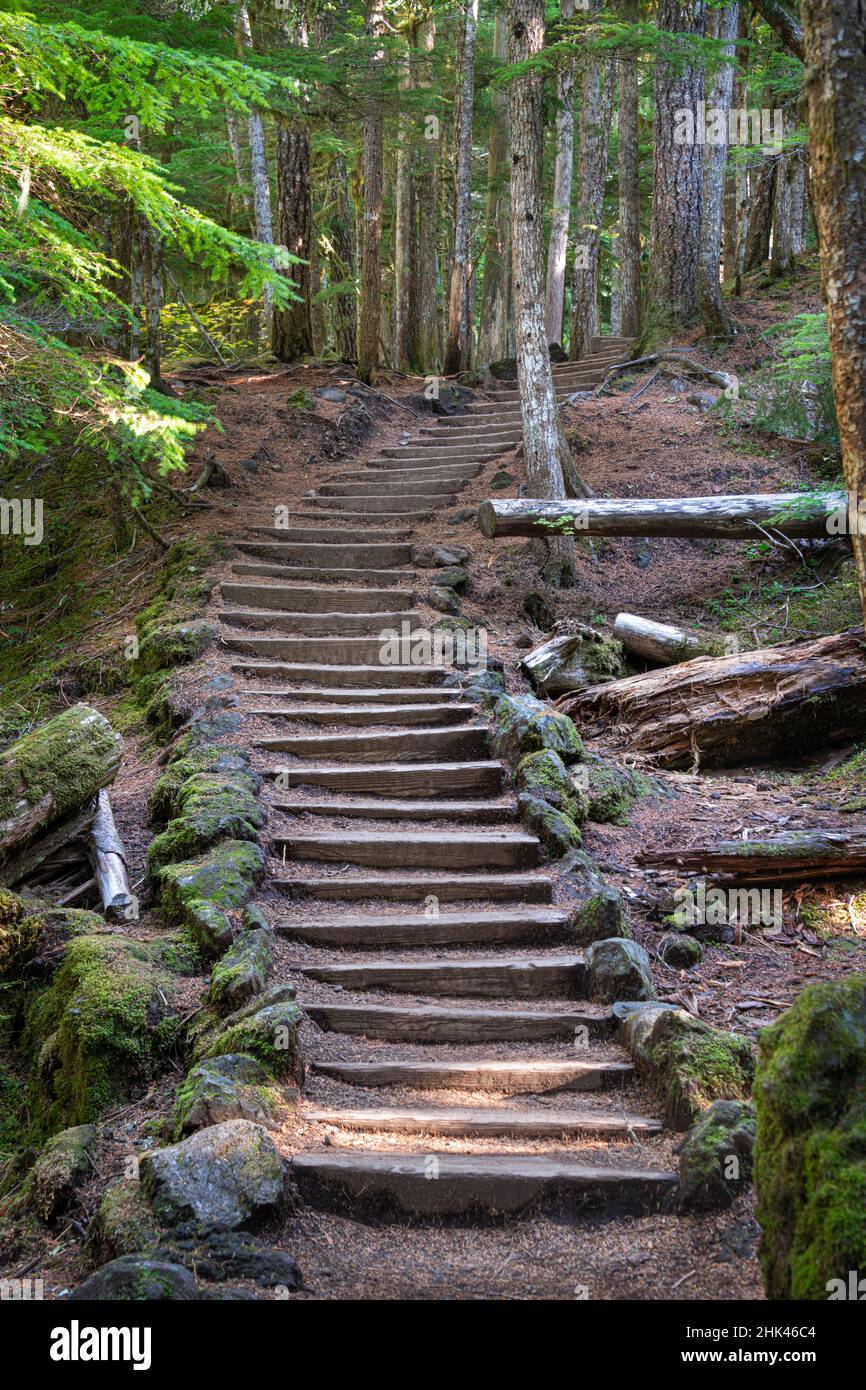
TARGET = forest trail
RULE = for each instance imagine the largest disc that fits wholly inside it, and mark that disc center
(435, 961)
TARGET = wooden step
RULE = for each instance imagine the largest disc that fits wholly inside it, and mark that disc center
(379, 472)
(517, 1076)
(333, 622)
(476, 1122)
(461, 812)
(490, 977)
(364, 715)
(431, 849)
(396, 488)
(297, 598)
(385, 678)
(413, 745)
(442, 696)
(338, 556)
(356, 521)
(418, 507)
(290, 573)
(512, 888)
(415, 452)
(435, 1023)
(325, 536)
(475, 1183)
(510, 925)
(358, 652)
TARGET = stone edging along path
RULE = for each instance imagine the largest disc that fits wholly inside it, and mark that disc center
(419, 1023)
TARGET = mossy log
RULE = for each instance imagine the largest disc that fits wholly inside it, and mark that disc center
(795, 855)
(730, 709)
(52, 771)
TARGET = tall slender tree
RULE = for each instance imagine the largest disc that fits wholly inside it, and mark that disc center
(495, 293)
(629, 185)
(722, 26)
(423, 331)
(834, 34)
(596, 104)
(457, 346)
(258, 159)
(373, 173)
(557, 247)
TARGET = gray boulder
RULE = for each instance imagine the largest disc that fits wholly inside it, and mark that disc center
(716, 1156)
(137, 1279)
(221, 1177)
(619, 969)
(233, 1087)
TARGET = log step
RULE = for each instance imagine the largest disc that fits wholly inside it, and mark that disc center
(462, 812)
(515, 925)
(517, 1077)
(330, 556)
(434, 849)
(297, 598)
(477, 1122)
(361, 653)
(414, 714)
(418, 507)
(499, 977)
(333, 622)
(397, 490)
(475, 1183)
(386, 678)
(525, 888)
(405, 452)
(324, 576)
(433, 1023)
(442, 696)
(414, 745)
(324, 536)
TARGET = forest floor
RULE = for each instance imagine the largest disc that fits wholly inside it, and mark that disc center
(661, 443)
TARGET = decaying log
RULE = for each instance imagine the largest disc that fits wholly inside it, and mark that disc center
(52, 771)
(659, 641)
(36, 856)
(106, 853)
(748, 516)
(729, 709)
(793, 856)
(569, 661)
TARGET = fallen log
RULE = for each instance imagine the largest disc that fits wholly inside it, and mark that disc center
(747, 516)
(107, 855)
(52, 771)
(659, 641)
(571, 661)
(792, 856)
(730, 709)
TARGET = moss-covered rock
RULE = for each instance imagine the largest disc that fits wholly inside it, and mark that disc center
(61, 1168)
(612, 790)
(454, 577)
(619, 969)
(173, 644)
(101, 1028)
(241, 972)
(680, 951)
(600, 916)
(219, 1178)
(232, 1087)
(220, 760)
(557, 832)
(716, 1156)
(202, 892)
(810, 1154)
(545, 777)
(266, 1028)
(123, 1223)
(210, 807)
(692, 1062)
(137, 1279)
(522, 725)
(443, 599)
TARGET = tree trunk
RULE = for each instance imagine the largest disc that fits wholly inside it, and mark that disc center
(722, 25)
(53, 770)
(740, 516)
(782, 255)
(235, 148)
(342, 262)
(675, 228)
(292, 331)
(596, 102)
(404, 226)
(835, 43)
(757, 242)
(783, 700)
(258, 162)
(150, 242)
(546, 452)
(629, 189)
(371, 293)
(457, 340)
(423, 325)
(493, 332)
(558, 245)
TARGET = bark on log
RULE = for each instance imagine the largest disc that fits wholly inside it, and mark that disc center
(796, 855)
(788, 513)
(725, 710)
(51, 771)
(658, 641)
(107, 855)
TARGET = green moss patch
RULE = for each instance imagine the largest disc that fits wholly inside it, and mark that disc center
(200, 893)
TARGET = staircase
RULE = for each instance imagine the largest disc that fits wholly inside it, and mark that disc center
(459, 1067)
